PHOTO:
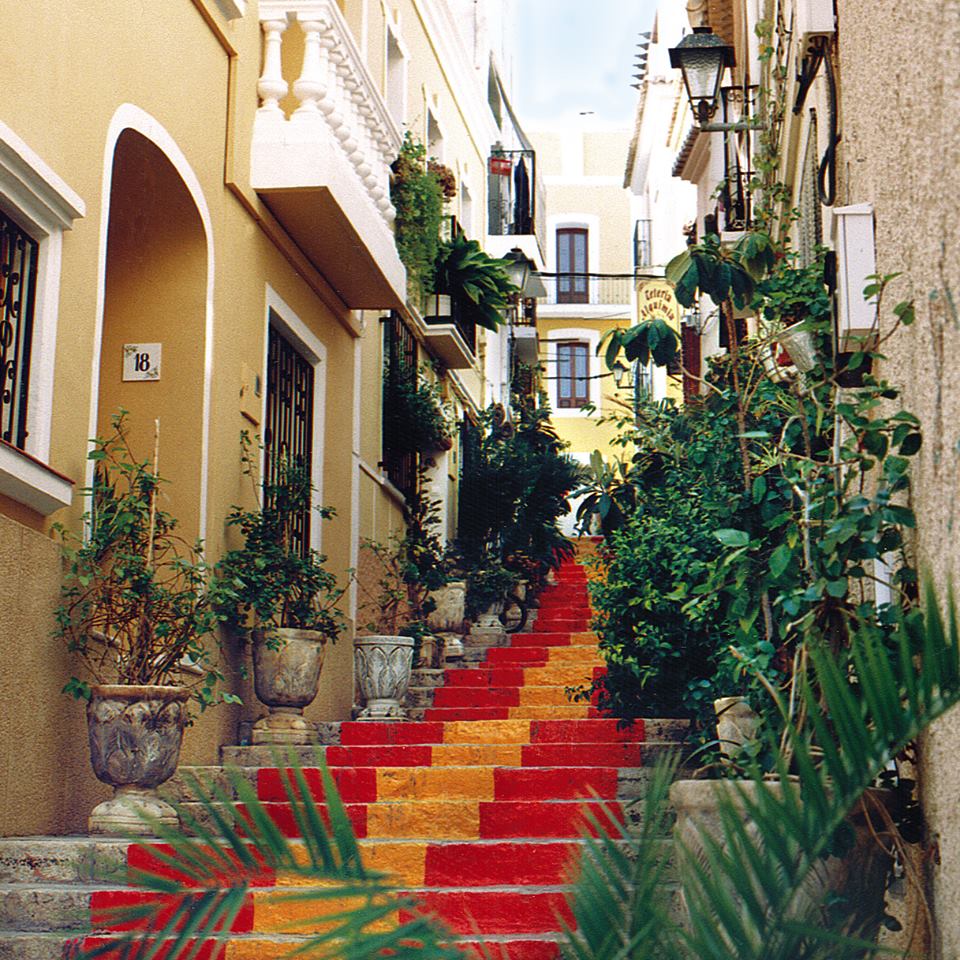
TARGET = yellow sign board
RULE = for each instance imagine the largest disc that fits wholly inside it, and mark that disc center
(655, 299)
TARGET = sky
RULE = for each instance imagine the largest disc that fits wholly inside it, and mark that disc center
(577, 55)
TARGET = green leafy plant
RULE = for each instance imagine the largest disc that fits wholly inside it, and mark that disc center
(417, 196)
(478, 282)
(418, 410)
(748, 892)
(273, 580)
(608, 495)
(514, 489)
(134, 605)
(488, 583)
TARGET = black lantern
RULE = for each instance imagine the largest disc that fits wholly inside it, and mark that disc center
(523, 274)
(702, 57)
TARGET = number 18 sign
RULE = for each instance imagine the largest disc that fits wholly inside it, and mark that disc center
(141, 361)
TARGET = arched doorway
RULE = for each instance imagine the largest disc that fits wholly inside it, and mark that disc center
(156, 294)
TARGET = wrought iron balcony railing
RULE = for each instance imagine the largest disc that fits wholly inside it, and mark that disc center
(592, 289)
(516, 204)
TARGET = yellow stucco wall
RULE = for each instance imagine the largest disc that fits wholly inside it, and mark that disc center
(175, 70)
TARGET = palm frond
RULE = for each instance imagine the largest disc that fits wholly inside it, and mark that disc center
(193, 888)
(754, 888)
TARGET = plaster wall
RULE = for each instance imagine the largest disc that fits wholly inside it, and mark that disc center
(173, 69)
(899, 85)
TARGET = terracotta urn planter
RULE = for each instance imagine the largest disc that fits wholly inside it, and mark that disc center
(383, 665)
(135, 735)
(859, 876)
(286, 677)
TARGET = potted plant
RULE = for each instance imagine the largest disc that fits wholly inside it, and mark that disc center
(135, 609)
(384, 650)
(420, 411)
(280, 591)
(417, 196)
(475, 281)
(488, 584)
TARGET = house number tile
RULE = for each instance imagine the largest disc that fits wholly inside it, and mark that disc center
(141, 361)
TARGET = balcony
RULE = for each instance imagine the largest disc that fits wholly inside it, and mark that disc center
(449, 335)
(516, 205)
(587, 294)
(324, 169)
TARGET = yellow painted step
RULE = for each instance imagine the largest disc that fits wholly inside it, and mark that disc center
(440, 783)
(403, 862)
(487, 731)
(569, 712)
(580, 654)
(560, 675)
(429, 820)
(551, 696)
(279, 911)
(477, 754)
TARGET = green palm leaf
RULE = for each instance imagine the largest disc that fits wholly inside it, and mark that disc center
(202, 881)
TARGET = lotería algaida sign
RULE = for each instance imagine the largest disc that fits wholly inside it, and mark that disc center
(656, 300)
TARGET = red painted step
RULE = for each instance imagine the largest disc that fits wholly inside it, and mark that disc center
(477, 697)
(511, 948)
(482, 911)
(499, 864)
(503, 655)
(537, 818)
(284, 817)
(354, 784)
(539, 640)
(479, 677)
(466, 713)
(558, 783)
(581, 755)
(586, 731)
(357, 732)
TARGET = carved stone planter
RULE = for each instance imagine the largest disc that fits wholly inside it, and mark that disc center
(286, 680)
(488, 629)
(859, 876)
(737, 724)
(446, 621)
(135, 735)
(383, 665)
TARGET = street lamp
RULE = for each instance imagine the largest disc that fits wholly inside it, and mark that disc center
(702, 58)
(524, 275)
(619, 371)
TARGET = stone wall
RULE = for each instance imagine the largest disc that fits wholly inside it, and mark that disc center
(900, 84)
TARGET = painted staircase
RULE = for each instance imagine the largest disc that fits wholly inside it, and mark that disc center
(477, 809)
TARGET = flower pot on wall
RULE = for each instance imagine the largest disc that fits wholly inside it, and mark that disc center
(801, 345)
(447, 618)
(383, 665)
(135, 734)
(286, 677)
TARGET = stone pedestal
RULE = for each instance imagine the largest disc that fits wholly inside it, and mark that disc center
(488, 630)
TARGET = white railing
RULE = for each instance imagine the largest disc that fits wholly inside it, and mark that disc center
(334, 89)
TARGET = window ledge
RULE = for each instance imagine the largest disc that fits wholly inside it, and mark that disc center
(31, 482)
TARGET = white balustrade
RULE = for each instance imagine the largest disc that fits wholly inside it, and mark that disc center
(334, 87)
